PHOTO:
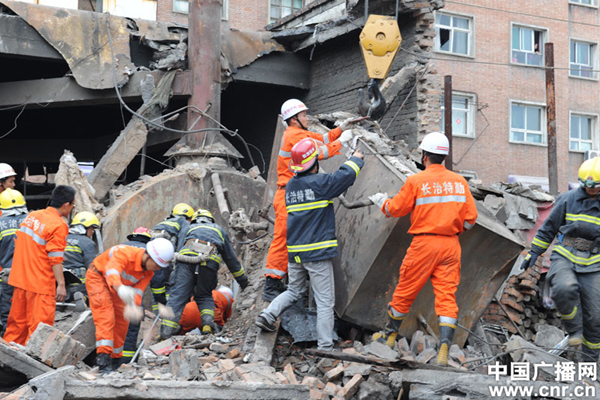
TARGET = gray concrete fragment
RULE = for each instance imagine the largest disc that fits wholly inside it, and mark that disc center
(160, 390)
(184, 364)
(53, 347)
(548, 336)
(357, 368)
(373, 390)
(14, 359)
(382, 351)
(51, 385)
(396, 380)
(522, 212)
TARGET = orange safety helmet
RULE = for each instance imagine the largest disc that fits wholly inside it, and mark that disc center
(304, 155)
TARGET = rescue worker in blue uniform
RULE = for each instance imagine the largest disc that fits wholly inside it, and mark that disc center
(574, 273)
(200, 279)
(14, 211)
(311, 240)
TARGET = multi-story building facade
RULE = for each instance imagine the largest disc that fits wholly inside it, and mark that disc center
(494, 51)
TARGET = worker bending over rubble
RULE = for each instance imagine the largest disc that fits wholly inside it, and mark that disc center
(196, 273)
(115, 283)
(37, 269)
(191, 318)
(79, 254)
(294, 114)
(311, 240)
(14, 212)
(441, 207)
(574, 274)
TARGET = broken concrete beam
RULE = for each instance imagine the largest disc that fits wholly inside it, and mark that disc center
(17, 360)
(53, 347)
(381, 350)
(170, 390)
(51, 385)
(394, 85)
(351, 387)
(184, 364)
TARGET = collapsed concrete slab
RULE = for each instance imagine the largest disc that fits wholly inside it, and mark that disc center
(53, 347)
(11, 357)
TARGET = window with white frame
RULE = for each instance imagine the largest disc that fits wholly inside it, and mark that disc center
(463, 114)
(528, 45)
(593, 3)
(283, 8)
(183, 7)
(527, 123)
(454, 34)
(582, 60)
(582, 136)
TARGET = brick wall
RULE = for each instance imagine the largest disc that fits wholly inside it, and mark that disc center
(491, 154)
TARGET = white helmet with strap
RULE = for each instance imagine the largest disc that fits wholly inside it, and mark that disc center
(6, 171)
(226, 291)
(291, 108)
(435, 143)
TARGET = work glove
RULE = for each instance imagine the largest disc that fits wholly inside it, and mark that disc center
(127, 294)
(346, 137)
(243, 282)
(4, 274)
(347, 124)
(378, 199)
(529, 260)
(133, 313)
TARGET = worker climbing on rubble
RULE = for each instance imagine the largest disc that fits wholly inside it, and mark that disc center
(206, 243)
(37, 269)
(14, 212)
(574, 273)
(79, 254)
(441, 207)
(191, 318)
(293, 112)
(7, 178)
(115, 283)
(311, 240)
(138, 238)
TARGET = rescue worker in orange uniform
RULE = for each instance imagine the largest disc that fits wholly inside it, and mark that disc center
(441, 208)
(293, 112)
(115, 283)
(191, 318)
(37, 268)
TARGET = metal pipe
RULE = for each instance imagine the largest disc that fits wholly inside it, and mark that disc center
(144, 340)
(221, 202)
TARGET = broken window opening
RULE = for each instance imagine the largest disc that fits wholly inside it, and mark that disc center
(454, 34)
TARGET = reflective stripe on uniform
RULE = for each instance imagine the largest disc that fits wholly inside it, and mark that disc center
(386, 209)
(324, 151)
(104, 342)
(326, 138)
(56, 254)
(353, 165)
(441, 199)
(312, 246)
(285, 154)
(582, 218)
(239, 273)
(308, 206)
(128, 353)
(159, 290)
(397, 315)
(7, 232)
(275, 272)
(571, 315)
(36, 238)
(206, 311)
(112, 272)
(540, 243)
(297, 259)
(73, 249)
(171, 223)
(170, 324)
(590, 345)
(208, 227)
(139, 291)
(130, 278)
(154, 307)
(118, 350)
(575, 259)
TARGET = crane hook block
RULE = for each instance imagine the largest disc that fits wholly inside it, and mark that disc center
(380, 41)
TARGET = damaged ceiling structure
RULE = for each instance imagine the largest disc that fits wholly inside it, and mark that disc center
(169, 114)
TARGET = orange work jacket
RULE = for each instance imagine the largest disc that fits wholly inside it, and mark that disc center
(292, 135)
(39, 245)
(439, 201)
(122, 265)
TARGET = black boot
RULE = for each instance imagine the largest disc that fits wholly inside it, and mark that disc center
(446, 336)
(390, 333)
(104, 361)
(167, 331)
(273, 288)
(572, 324)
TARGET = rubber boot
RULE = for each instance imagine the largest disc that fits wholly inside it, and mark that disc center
(572, 324)
(167, 331)
(390, 333)
(446, 335)
(273, 288)
(104, 362)
(208, 324)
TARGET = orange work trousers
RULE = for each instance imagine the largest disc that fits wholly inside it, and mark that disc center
(27, 311)
(430, 256)
(277, 258)
(107, 311)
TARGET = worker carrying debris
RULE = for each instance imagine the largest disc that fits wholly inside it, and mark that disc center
(79, 254)
(293, 112)
(574, 273)
(7, 178)
(196, 272)
(115, 283)
(37, 269)
(14, 212)
(441, 208)
(191, 318)
(311, 240)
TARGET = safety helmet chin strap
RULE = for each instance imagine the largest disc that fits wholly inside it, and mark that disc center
(301, 124)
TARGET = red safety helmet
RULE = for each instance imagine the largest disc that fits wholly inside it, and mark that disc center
(140, 232)
(304, 155)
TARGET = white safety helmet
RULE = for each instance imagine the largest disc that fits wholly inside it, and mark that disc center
(6, 171)
(435, 143)
(161, 251)
(225, 290)
(291, 108)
